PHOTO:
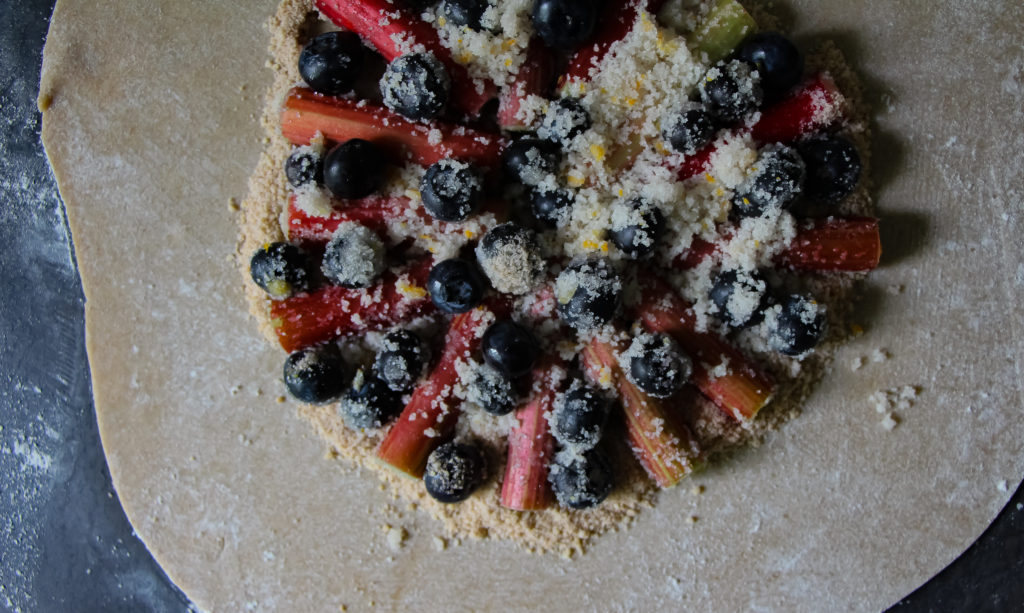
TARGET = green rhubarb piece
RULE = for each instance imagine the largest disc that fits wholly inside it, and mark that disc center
(721, 30)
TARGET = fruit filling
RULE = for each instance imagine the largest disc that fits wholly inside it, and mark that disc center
(543, 239)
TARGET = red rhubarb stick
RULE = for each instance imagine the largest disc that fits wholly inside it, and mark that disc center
(531, 444)
(331, 312)
(616, 23)
(394, 31)
(834, 244)
(373, 212)
(813, 107)
(742, 390)
(533, 79)
(433, 411)
(306, 113)
(665, 446)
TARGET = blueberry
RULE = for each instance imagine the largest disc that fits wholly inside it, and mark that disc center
(776, 181)
(552, 207)
(354, 257)
(657, 365)
(418, 5)
(833, 167)
(565, 24)
(451, 189)
(354, 169)
(588, 293)
(491, 390)
(579, 420)
(510, 348)
(400, 361)
(798, 325)
(531, 161)
(636, 226)
(369, 403)
(565, 120)
(280, 269)
(582, 481)
(330, 63)
(779, 63)
(315, 375)
(730, 91)
(740, 297)
(465, 12)
(416, 86)
(455, 286)
(690, 130)
(510, 257)
(454, 471)
(304, 167)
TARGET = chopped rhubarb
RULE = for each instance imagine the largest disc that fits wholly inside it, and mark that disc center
(814, 106)
(663, 444)
(835, 244)
(533, 79)
(332, 312)
(616, 23)
(721, 30)
(373, 212)
(740, 389)
(433, 411)
(531, 444)
(394, 31)
(306, 113)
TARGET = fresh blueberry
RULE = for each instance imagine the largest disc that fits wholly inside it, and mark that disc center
(369, 403)
(588, 293)
(579, 420)
(730, 91)
(510, 348)
(400, 361)
(636, 226)
(657, 365)
(531, 161)
(565, 120)
(551, 207)
(465, 12)
(354, 257)
(798, 325)
(690, 130)
(775, 183)
(451, 189)
(354, 169)
(454, 471)
(740, 297)
(510, 257)
(315, 375)
(491, 390)
(330, 63)
(779, 63)
(418, 5)
(416, 86)
(582, 481)
(565, 24)
(280, 269)
(304, 167)
(833, 167)
(455, 286)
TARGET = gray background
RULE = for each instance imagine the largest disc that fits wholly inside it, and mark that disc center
(65, 544)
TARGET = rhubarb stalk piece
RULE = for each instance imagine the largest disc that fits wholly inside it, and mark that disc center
(332, 312)
(533, 79)
(393, 31)
(531, 445)
(306, 113)
(720, 371)
(721, 30)
(663, 444)
(433, 411)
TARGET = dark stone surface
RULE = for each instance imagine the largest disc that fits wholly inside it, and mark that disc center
(65, 544)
